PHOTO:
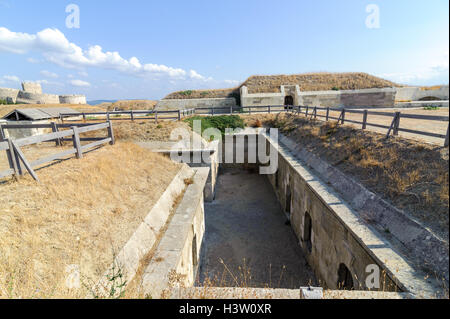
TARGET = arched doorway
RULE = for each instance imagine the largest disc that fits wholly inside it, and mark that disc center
(307, 231)
(345, 280)
(288, 102)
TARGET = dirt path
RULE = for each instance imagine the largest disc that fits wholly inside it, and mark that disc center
(246, 222)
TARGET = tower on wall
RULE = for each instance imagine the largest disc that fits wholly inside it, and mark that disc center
(32, 87)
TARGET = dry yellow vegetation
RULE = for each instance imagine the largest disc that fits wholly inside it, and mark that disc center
(80, 213)
(126, 105)
(308, 82)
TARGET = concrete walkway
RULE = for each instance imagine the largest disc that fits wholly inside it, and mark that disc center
(246, 228)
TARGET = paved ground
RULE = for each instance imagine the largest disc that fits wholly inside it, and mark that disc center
(245, 227)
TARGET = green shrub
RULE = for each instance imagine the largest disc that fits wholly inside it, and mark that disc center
(220, 122)
(430, 107)
(186, 93)
(335, 88)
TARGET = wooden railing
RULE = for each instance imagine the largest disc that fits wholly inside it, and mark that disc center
(130, 115)
(16, 158)
(311, 112)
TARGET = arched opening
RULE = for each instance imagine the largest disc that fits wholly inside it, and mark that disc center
(307, 230)
(277, 182)
(194, 251)
(288, 201)
(288, 100)
(429, 98)
(345, 280)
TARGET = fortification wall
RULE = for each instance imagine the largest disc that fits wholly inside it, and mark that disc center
(72, 99)
(34, 98)
(32, 87)
(261, 99)
(9, 94)
(416, 93)
(192, 103)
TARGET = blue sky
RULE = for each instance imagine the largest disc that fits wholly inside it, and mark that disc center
(146, 49)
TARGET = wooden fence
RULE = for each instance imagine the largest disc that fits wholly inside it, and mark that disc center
(16, 158)
(130, 115)
(311, 112)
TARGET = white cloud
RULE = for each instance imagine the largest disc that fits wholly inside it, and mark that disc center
(49, 74)
(11, 78)
(83, 73)
(80, 83)
(434, 66)
(55, 47)
(32, 60)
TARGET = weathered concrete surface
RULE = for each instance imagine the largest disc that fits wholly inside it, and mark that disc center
(176, 258)
(193, 103)
(425, 249)
(246, 222)
(339, 235)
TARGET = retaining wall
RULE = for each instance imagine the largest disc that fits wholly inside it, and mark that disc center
(407, 94)
(193, 103)
(176, 259)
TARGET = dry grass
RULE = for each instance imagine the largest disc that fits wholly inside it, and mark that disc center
(146, 130)
(82, 211)
(308, 82)
(412, 175)
(126, 105)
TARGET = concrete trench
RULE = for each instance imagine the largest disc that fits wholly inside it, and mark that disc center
(236, 235)
(246, 229)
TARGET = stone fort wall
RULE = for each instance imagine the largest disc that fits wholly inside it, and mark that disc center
(31, 93)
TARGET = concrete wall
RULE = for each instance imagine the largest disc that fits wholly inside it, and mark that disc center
(193, 103)
(6, 94)
(72, 99)
(349, 98)
(416, 93)
(176, 259)
(32, 87)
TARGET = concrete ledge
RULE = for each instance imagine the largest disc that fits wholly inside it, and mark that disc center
(146, 235)
(177, 256)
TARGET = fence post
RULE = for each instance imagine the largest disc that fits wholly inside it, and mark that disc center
(212, 111)
(231, 110)
(156, 116)
(61, 118)
(107, 116)
(343, 116)
(268, 109)
(12, 159)
(54, 130)
(111, 133)
(315, 112)
(397, 123)
(179, 115)
(364, 125)
(328, 114)
(446, 137)
(84, 117)
(132, 115)
(307, 110)
(76, 142)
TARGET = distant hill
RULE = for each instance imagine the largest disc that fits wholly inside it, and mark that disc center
(308, 82)
(96, 102)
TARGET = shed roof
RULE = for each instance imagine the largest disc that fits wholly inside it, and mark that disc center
(34, 114)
